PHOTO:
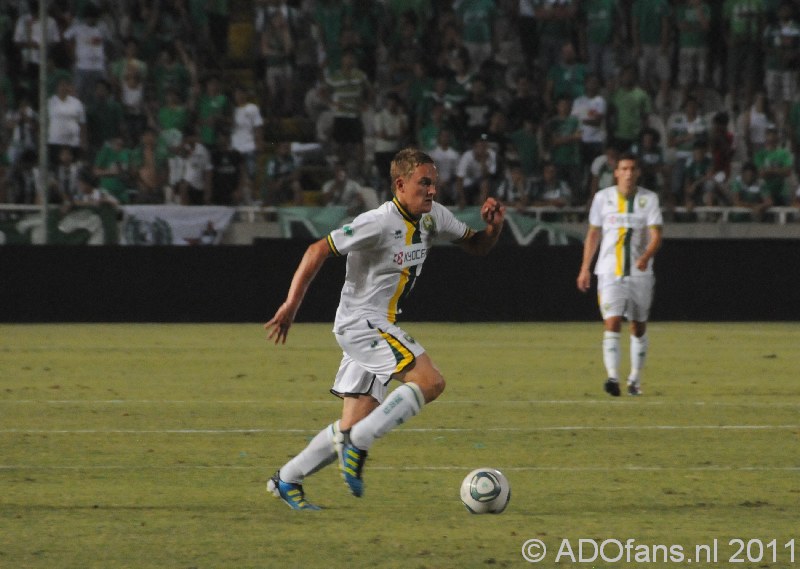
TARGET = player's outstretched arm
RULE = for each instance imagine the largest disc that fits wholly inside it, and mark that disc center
(314, 257)
(493, 214)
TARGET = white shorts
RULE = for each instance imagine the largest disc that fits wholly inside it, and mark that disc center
(373, 354)
(629, 297)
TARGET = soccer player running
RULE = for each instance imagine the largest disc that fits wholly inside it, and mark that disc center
(385, 250)
(625, 224)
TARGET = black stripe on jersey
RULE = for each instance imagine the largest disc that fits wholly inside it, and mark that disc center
(626, 270)
(332, 247)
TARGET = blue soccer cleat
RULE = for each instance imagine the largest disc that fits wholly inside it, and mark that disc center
(290, 493)
(351, 462)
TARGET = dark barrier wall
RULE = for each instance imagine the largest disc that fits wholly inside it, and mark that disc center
(696, 280)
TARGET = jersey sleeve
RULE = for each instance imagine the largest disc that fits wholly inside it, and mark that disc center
(364, 232)
(595, 211)
(450, 227)
(654, 216)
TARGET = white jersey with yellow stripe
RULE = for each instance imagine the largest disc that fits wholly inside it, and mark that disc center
(624, 223)
(385, 250)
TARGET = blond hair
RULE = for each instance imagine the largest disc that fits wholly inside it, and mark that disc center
(406, 161)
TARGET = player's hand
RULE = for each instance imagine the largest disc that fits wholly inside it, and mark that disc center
(493, 213)
(584, 280)
(278, 327)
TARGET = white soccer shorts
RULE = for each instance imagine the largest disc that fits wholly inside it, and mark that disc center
(373, 353)
(629, 297)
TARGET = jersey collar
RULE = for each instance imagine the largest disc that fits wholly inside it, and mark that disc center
(407, 216)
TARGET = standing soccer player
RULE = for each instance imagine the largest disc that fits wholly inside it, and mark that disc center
(385, 250)
(625, 223)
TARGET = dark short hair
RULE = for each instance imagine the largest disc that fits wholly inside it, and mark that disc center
(628, 155)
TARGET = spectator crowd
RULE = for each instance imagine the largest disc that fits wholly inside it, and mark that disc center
(531, 101)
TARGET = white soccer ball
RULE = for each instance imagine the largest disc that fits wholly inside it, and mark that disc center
(485, 491)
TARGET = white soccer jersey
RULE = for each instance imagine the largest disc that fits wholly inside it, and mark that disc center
(624, 223)
(385, 249)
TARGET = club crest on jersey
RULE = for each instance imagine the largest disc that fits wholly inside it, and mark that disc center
(642, 202)
(398, 233)
(429, 224)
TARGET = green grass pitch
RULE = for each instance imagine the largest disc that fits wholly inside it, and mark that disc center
(149, 446)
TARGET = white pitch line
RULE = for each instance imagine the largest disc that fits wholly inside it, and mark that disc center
(406, 430)
(624, 467)
(332, 401)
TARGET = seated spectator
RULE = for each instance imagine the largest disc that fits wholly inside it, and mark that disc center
(23, 179)
(194, 186)
(65, 177)
(475, 173)
(651, 160)
(720, 143)
(700, 184)
(111, 167)
(748, 190)
(282, 178)
(343, 191)
(173, 115)
(514, 189)
(90, 194)
(684, 129)
(148, 168)
(775, 165)
(550, 190)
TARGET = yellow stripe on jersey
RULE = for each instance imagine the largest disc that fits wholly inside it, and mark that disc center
(391, 314)
(332, 247)
(401, 353)
(620, 246)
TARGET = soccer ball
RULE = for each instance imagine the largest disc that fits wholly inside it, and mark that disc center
(485, 491)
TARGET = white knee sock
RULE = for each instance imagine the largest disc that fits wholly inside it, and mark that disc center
(318, 454)
(611, 357)
(401, 404)
(638, 356)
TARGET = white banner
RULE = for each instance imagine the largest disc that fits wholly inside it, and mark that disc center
(174, 224)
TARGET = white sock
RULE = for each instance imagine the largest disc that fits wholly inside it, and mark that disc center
(401, 404)
(638, 356)
(611, 355)
(318, 454)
